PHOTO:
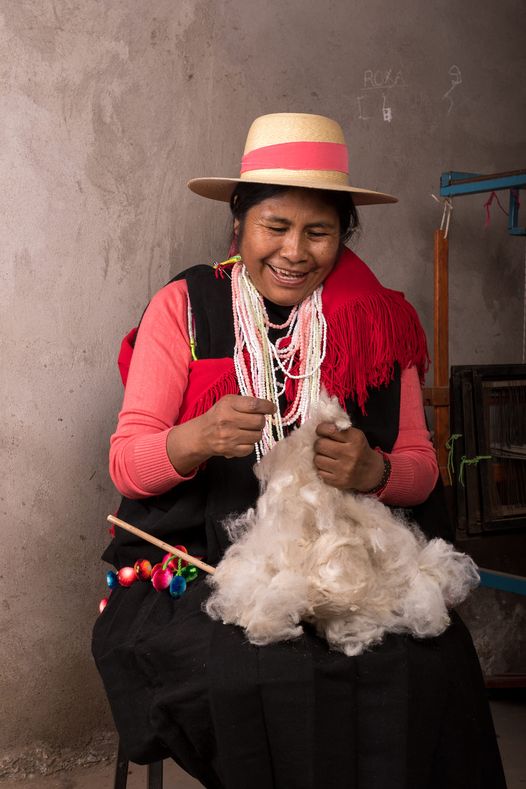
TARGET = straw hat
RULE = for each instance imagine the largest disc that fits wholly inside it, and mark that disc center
(292, 149)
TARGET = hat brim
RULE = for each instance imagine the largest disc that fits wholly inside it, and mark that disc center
(222, 188)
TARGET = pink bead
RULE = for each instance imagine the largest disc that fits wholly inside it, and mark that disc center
(143, 569)
(126, 576)
(103, 603)
(161, 579)
(156, 568)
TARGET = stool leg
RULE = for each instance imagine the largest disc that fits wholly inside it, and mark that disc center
(121, 770)
(155, 775)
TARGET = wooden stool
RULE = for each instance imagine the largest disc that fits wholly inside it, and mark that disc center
(155, 772)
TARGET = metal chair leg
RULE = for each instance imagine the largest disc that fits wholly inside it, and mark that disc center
(155, 775)
(121, 770)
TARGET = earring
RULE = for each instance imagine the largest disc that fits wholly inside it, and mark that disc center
(219, 268)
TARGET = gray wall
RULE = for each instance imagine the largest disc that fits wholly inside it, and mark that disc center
(106, 109)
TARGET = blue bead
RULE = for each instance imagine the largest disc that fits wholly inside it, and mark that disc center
(111, 579)
(177, 586)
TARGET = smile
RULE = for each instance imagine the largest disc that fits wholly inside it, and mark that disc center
(285, 274)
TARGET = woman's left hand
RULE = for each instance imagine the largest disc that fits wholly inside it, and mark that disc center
(345, 460)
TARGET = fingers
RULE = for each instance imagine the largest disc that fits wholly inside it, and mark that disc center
(329, 448)
(239, 420)
(248, 437)
(330, 431)
(326, 464)
(240, 451)
(246, 413)
(252, 405)
(330, 472)
(235, 423)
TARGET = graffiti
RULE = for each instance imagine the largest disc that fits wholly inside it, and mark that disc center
(456, 80)
(383, 79)
(378, 79)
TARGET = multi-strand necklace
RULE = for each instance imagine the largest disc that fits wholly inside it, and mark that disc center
(302, 348)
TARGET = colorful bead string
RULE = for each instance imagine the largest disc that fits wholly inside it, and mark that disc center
(220, 268)
(171, 573)
(306, 344)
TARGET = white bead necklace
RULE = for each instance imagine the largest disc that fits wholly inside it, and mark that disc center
(306, 349)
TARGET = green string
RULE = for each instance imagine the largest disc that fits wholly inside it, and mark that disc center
(450, 462)
(192, 350)
(189, 572)
(464, 461)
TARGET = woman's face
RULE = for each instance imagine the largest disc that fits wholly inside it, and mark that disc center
(289, 244)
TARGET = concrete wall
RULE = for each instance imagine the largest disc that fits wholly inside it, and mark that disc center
(106, 109)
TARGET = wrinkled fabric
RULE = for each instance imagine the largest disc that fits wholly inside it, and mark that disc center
(409, 714)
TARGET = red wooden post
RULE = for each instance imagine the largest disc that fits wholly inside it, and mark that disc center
(437, 396)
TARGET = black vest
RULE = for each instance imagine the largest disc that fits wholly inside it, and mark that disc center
(192, 513)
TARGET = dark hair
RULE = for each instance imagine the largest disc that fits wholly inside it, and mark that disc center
(246, 196)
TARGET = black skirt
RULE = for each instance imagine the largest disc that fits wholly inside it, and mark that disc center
(407, 714)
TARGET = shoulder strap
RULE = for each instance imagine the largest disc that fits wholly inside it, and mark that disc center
(211, 300)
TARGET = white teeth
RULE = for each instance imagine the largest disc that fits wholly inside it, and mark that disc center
(288, 274)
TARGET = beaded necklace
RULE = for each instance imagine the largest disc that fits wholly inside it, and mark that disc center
(306, 332)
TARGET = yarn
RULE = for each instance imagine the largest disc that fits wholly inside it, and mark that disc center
(465, 461)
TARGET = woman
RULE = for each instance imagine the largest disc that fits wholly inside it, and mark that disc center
(200, 400)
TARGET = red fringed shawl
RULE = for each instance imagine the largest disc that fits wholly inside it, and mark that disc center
(369, 329)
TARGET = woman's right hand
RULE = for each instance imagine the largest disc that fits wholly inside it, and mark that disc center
(229, 429)
(234, 424)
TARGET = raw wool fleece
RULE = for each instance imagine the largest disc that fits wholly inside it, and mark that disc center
(345, 563)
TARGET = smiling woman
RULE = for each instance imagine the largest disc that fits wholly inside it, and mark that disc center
(227, 360)
(289, 239)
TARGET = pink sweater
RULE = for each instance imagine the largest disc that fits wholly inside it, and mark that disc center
(139, 463)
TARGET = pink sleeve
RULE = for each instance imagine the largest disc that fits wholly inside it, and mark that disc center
(414, 467)
(139, 463)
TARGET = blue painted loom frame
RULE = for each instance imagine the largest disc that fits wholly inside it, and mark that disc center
(455, 184)
(492, 579)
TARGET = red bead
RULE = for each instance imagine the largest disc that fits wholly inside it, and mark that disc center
(143, 569)
(183, 549)
(103, 603)
(126, 576)
(162, 579)
(170, 562)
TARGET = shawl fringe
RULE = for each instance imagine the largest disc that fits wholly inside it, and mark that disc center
(365, 338)
(370, 328)
(196, 404)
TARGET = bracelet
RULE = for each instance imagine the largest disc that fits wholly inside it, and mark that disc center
(385, 477)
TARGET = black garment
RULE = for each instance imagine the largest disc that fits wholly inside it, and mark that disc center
(407, 714)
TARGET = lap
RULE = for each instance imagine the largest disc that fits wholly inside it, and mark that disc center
(408, 713)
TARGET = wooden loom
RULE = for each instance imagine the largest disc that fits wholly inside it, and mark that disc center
(453, 184)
